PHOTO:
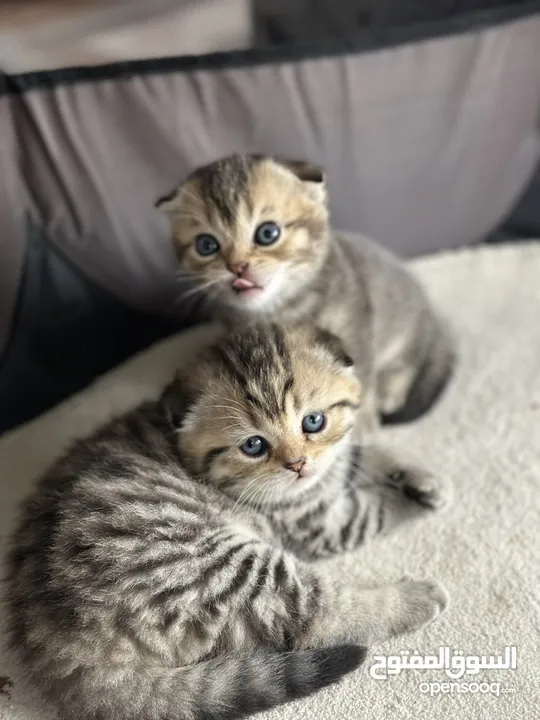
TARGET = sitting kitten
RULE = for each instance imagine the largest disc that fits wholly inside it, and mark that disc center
(161, 568)
(254, 233)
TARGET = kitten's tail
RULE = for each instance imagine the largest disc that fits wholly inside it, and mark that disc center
(219, 689)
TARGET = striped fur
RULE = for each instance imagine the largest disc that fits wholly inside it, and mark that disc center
(403, 352)
(159, 574)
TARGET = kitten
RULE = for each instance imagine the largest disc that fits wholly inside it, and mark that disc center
(161, 569)
(254, 234)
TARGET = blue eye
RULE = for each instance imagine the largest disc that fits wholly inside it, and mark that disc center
(206, 245)
(267, 233)
(312, 423)
(254, 446)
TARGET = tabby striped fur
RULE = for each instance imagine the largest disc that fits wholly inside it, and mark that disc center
(147, 581)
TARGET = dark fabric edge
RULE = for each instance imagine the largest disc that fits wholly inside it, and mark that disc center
(369, 41)
(523, 219)
(12, 276)
(168, 326)
(150, 329)
(12, 309)
(12, 253)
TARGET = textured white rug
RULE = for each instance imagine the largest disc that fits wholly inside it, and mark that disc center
(484, 435)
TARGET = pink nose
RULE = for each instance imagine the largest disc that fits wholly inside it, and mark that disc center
(297, 465)
(238, 268)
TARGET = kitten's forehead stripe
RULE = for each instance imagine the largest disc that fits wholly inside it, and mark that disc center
(287, 387)
(281, 348)
(235, 373)
(225, 182)
(260, 364)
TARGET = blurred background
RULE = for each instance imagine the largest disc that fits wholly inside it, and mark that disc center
(39, 34)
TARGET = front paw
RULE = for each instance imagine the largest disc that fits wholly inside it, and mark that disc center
(421, 486)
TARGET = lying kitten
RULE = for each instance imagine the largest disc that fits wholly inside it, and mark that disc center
(254, 233)
(161, 568)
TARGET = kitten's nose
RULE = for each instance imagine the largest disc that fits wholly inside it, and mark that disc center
(297, 465)
(238, 268)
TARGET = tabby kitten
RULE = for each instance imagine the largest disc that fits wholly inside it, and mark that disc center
(161, 568)
(254, 234)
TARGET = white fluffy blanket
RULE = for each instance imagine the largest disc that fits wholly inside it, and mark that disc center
(484, 435)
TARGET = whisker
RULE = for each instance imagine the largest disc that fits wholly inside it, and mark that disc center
(234, 403)
(188, 274)
(198, 289)
(245, 492)
(257, 489)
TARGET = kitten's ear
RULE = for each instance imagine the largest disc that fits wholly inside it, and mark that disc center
(313, 176)
(335, 347)
(306, 171)
(178, 397)
(169, 203)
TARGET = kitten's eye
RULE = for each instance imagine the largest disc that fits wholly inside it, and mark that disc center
(314, 422)
(267, 233)
(254, 446)
(206, 245)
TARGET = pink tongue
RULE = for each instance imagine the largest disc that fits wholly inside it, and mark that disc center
(242, 284)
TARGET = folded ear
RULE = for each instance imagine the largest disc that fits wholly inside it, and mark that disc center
(306, 171)
(334, 346)
(179, 397)
(312, 175)
(169, 203)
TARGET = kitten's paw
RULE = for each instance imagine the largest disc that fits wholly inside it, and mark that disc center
(421, 486)
(399, 608)
(420, 602)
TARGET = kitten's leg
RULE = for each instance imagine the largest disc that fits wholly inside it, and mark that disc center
(409, 385)
(252, 595)
(379, 470)
(384, 491)
(271, 599)
(306, 608)
(393, 385)
(381, 491)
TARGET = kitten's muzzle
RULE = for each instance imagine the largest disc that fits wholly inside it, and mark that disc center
(297, 466)
(238, 268)
(244, 281)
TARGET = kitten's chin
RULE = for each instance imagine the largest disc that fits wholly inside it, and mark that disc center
(255, 300)
(293, 488)
(269, 297)
(280, 491)
(302, 485)
(251, 297)
(288, 492)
